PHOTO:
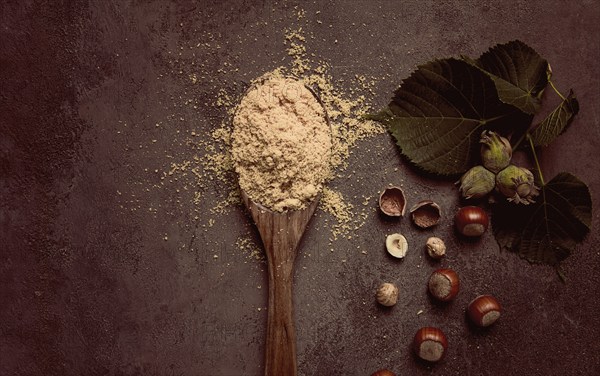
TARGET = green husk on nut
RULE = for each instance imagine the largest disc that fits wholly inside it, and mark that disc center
(517, 185)
(477, 182)
(496, 151)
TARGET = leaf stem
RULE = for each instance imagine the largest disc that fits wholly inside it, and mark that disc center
(535, 158)
(556, 90)
(516, 145)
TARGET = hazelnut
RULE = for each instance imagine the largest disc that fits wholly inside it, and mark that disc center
(496, 151)
(430, 344)
(387, 294)
(517, 184)
(396, 245)
(484, 310)
(443, 284)
(471, 221)
(436, 248)
(476, 183)
(426, 214)
(392, 202)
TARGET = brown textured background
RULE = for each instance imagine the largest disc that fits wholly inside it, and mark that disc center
(88, 285)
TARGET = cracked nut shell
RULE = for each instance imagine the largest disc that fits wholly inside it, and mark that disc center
(426, 214)
(392, 202)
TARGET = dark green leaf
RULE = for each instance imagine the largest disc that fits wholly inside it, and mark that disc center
(520, 74)
(556, 122)
(548, 230)
(440, 111)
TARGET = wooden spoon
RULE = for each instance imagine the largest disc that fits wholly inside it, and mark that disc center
(280, 233)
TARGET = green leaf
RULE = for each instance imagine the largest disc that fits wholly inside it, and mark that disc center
(557, 122)
(548, 230)
(520, 74)
(438, 114)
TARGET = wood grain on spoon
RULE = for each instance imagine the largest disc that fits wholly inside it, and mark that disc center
(281, 233)
(281, 146)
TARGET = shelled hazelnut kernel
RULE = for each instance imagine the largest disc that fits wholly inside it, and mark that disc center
(436, 248)
(387, 294)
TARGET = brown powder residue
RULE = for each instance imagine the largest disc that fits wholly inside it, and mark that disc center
(217, 163)
(346, 115)
(247, 245)
(206, 175)
(295, 40)
(348, 217)
(346, 125)
(233, 198)
(281, 143)
(333, 203)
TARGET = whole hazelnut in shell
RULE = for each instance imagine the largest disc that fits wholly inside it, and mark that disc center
(484, 310)
(443, 284)
(471, 221)
(430, 344)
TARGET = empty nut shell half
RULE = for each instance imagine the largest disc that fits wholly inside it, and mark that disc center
(392, 202)
(396, 245)
(426, 214)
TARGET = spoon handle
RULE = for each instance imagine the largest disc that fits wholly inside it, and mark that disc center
(281, 234)
(280, 353)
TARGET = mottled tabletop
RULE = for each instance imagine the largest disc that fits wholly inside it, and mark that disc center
(125, 250)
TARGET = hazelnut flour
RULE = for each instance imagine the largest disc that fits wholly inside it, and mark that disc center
(205, 174)
(281, 143)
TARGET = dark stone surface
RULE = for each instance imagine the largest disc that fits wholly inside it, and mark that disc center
(107, 267)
